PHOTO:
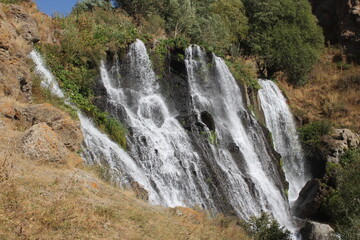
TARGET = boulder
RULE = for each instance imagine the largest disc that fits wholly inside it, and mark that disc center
(310, 199)
(337, 143)
(40, 142)
(316, 231)
(66, 128)
(26, 116)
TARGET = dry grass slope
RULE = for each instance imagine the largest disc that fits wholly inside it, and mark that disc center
(333, 93)
(40, 200)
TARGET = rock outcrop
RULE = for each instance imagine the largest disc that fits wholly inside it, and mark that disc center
(316, 231)
(310, 199)
(26, 116)
(339, 141)
(40, 142)
(20, 28)
(340, 21)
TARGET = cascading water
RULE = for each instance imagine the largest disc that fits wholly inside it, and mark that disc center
(48, 80)
(281, 123)
(213, 89)
(234, 171)
(98, 147)
(158, 143)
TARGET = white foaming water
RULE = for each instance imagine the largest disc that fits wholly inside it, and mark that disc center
(281, 123)
(160, 145)
(48, 80)
(214, 89)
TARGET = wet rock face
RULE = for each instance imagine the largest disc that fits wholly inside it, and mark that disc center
(340, 21)
(316, 231)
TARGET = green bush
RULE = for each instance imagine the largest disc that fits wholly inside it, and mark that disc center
(343, 205)
(312, 133)
(265, 227)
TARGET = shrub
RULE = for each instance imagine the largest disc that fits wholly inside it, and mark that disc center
(343, 205)
(265, 227)
(312, 133)
(90, 5)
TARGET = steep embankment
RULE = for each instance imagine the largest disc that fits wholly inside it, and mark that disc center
(46, 191)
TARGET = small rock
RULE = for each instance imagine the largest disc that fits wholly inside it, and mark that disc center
(40, 142)
(316, 231)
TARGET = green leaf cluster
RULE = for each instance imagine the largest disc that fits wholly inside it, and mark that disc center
(216, 23)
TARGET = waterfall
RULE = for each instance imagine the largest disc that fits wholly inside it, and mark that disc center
(158, 143)
(213, 89)
(221, 161)
(98, 148)
(281, 123)
(48, 80)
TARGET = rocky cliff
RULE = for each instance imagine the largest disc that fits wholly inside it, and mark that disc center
(340, 21)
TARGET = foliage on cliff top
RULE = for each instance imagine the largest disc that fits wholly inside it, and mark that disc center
(84, 37)
(218, 24)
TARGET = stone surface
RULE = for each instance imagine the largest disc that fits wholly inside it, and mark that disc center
(337, 143)
(340, 21)
(66, 128)
(310, 199)
(316, 231)
(40, 142)
(61, 123)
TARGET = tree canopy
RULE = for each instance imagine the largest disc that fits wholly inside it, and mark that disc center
(284, 36)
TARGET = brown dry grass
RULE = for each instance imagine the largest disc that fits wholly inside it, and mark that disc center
(50, 201)
(333, 93)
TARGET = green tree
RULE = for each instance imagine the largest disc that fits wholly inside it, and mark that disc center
(265, 227)
(284, 36)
